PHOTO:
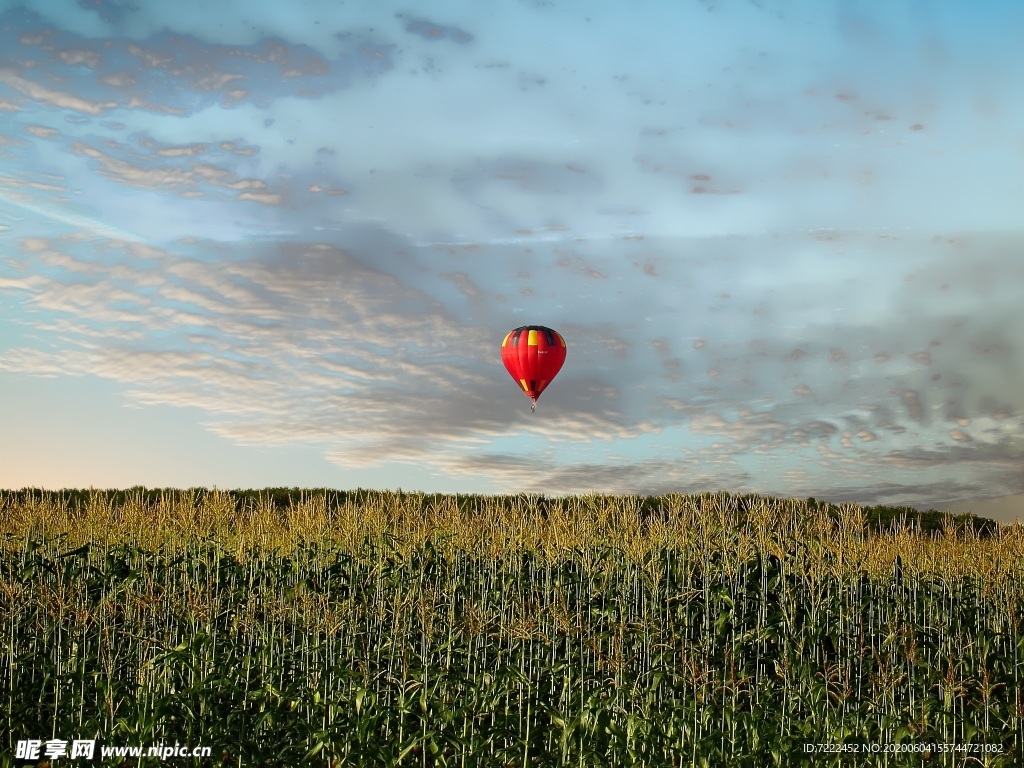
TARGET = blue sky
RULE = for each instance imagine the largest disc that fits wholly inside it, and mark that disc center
(260, 244)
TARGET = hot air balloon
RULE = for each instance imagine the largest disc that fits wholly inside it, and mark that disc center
(533, 356)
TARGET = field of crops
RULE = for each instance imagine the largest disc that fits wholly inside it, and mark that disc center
(378, 629)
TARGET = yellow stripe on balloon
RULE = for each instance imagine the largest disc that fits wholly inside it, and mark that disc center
(532, 340)
(507, 337)
(524, 385)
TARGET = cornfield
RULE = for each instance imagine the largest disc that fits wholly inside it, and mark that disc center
(390, 629)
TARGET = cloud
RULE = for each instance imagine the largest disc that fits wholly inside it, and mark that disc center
(315, 230)
(183, 177)
(55, 98)
(305, 344)
(334, 351)
(518, 474)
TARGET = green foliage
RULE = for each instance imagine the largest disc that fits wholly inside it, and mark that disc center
(431, 660)
(882, 518)
(877, 517)
(764, 630)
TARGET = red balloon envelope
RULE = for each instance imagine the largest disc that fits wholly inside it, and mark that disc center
(533, 355)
